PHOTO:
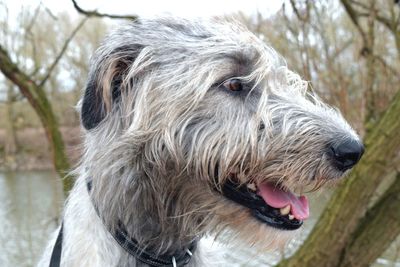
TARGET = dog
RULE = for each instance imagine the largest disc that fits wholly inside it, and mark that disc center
(194, 128)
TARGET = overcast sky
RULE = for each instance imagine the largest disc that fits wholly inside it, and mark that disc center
(145, 8)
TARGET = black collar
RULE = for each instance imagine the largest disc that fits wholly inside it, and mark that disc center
(131, 246)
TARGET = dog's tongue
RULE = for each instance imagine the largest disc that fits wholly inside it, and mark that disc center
(278, 198)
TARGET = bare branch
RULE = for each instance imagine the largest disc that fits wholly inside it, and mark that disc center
(291, 29)
(358, 3)
(33, 20)
(392, 26)
(394, 72)
(301, 17)
(354, 18)
(15, 74)
(340, 50)
(64, 48)
(50, 13)
(30, 36)
(94, 13)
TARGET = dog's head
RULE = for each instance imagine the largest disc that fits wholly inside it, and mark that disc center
(205, 121)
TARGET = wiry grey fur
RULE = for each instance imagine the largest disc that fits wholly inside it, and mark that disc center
(171, 133)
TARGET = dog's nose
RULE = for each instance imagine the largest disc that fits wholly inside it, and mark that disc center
(347, 153)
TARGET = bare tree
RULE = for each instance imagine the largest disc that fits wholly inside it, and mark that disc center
(32, 87)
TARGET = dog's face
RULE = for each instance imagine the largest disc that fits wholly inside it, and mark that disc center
(227, 135)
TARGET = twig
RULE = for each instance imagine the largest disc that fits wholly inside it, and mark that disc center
(50, 13)
(94, 13)
(387, 66)
(64, 48)
(304, 18)
(30, 36)
(354, 18)
(390, 24)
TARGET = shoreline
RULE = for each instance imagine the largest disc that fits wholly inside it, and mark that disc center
(33, 151)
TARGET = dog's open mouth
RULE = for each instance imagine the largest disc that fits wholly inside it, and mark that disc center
(269, 204)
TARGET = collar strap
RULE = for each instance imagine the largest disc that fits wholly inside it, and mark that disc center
(131, 246)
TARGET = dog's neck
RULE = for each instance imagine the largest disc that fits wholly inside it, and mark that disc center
(156, 215)
(152, 257)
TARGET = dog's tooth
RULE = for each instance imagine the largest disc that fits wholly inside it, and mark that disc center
(252, 186)
(285, 210)
(291, 217)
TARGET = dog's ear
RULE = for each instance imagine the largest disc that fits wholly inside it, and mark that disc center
(103, 89)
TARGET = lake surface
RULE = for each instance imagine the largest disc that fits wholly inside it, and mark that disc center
(30, 205)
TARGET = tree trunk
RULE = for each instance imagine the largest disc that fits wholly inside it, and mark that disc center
(368, 53)
(40, 103)
(373, 236)
(10, 147)
(340, 220)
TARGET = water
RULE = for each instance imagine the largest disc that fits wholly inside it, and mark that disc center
(30, 204)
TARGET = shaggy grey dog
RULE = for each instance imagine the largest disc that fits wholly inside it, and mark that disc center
(193, 128)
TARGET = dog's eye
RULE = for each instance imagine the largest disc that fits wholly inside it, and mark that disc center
(233, 85)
